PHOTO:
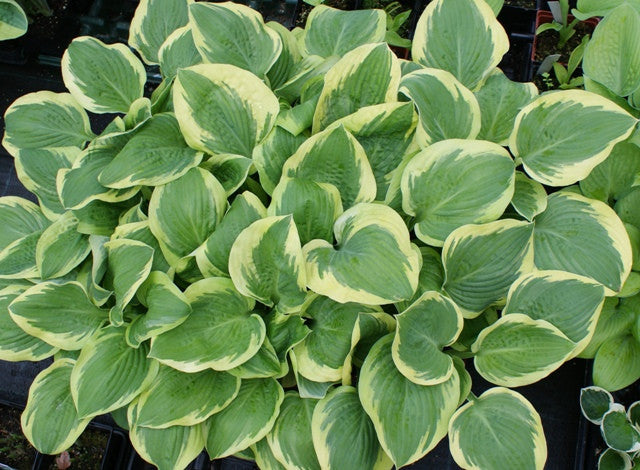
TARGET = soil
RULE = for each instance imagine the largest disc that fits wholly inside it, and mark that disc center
(15, 450)
(530, 4)
(547, 43)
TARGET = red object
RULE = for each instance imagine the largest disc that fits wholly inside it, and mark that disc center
(545, 16)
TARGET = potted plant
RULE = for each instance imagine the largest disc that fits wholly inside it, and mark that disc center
(294, 249)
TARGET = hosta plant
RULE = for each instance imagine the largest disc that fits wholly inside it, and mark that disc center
(296, 246)
(620, 428)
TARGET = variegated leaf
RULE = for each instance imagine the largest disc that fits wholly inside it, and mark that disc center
(247, 419)
(365, 76)
(50, 390)
(569, 302)
(482, 261)
(422, 331)
(177, 52)
(456, 182)
(103, 78)
(153, 22)
(254, 46)
(290, 439)
(409, 419)
(167, 307)
(176, 398)
(462, 37)
(446, 108)
(180, 225)
(612, 178)
(374, 261)
(518, 350)
(497, 430)
(169, 448)
(220, 333)
(45, 119)
(13, 20)
(109, 374)
(529, 197)
(269, 156)
(332, 32)
(556, 140)
(335, 157)
(222, 108)
(61, 247)
(129, 264)
(60, 314)
(585, 237)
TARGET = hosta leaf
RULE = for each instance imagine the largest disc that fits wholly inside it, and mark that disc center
(290, 439)
(266, 263)
(594, 403)
(627, 207)
(422, 331)
(343, 435)
(13, 20)
(283, 67)
(335, 157)
(169, 448)
(269, 156)
(223, 109)
(79, 185)
(500, 100)
(60, 314)
(612, 178)
(518, 350)
(213, 256)
(585, 237)
(385, 132)
(618, 432)
(614, 39)
(461, 37)
(37, 170)
(130, 264)
(155, 155)
(322, 354)
(265, 363)
(613, 460)
(230, 170)
(617, 363)
(557, 141)
(314, 206)
(456, 182)
(141, 232)
(182, 225)
(634, 413)
(103, 78)
(18, 258)
(409, 419)
(254, 47)
(176, 398)
(153, 22)
(167, 308)
(45, 119)
(482, 261)
(178, 52)
(264, 456)
(247, 419)
(373, 263)
(433, 91)
(589, 8)
(365, 76)
(19, 218)
(310, 67)
(431, 276)
(569, 302)
(47, 432)
(109, 374)
(15, 343)
(61, 248)
(331, 32)
(529, 197)
(220, 333)
(285, 331)
(497, 430)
